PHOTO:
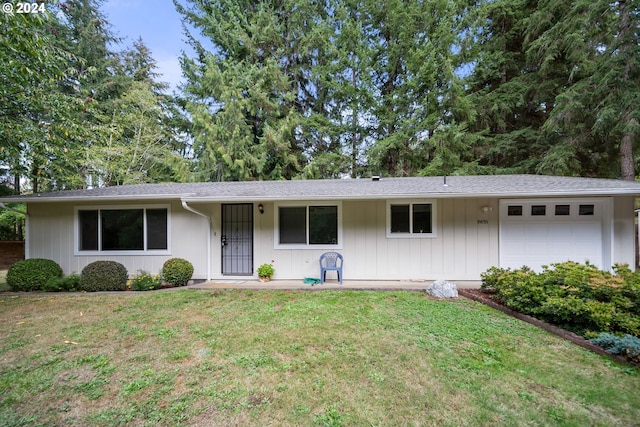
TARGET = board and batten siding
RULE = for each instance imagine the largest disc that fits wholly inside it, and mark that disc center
(51, 235)
(624, 245)
(466, 244)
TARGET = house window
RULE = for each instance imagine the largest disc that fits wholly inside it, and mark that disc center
(312, 225)
(410, 219)
(132, 229)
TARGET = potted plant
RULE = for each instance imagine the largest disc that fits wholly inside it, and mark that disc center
(265, 271)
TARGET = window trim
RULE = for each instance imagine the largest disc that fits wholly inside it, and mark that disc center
(76, 230)
(411, 234)
(306, 204)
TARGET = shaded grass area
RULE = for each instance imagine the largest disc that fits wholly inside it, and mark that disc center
(295, 358)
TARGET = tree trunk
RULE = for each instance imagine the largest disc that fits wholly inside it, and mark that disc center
(627, 46)
(627, 166)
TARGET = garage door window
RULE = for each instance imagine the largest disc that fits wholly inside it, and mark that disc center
(586, 210)
(563, 210)
(538, 210)
(514, 210)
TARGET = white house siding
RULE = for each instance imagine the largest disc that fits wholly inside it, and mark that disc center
(466, 244)
(623, 231)
(51, 235)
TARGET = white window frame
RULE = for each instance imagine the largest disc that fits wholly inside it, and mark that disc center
(76, 230)
(306, 204)
(411, 234)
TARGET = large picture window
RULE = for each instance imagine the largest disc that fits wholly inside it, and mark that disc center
(410, 219)
(130, 229)
(308, 225)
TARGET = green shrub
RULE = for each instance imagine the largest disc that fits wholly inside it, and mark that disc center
(579, 297)
(70, 283)
(177, 271)
(104, 276)
(524, 290)
(628, 345)
(32, 274)
(144, 281)
(491, 278)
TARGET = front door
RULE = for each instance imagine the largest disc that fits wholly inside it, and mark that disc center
(237, 239)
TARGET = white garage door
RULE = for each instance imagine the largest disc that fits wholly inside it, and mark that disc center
(536, 233)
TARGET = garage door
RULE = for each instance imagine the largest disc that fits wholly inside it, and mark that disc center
(536, 233)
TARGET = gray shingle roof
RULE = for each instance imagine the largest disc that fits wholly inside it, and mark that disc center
(342, 189)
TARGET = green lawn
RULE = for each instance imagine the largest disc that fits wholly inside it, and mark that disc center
(331, 358)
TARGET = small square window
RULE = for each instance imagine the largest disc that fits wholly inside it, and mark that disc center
(563, 210)
(538, 210)
(586, 210)
(515, 210)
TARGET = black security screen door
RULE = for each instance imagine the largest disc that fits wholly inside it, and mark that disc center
(237, 239)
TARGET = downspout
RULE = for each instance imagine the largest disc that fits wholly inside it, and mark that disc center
(26, 227)
(192, 210)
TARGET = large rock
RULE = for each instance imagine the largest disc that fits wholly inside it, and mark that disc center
(443, 289)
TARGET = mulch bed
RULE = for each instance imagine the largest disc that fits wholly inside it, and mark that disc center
(488, 299)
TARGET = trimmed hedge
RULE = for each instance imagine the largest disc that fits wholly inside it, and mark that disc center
(104, 276)
(32, 274)
(177, 271)
(578, 297)
(69, 283)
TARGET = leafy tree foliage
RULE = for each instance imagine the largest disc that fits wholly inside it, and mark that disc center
(75, 113)
(558, 85)
(34, 115)
(321, 90)
(302, 89)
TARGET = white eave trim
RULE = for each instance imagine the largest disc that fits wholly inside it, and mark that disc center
(189, 198)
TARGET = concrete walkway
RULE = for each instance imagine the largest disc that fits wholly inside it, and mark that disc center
(360, 285)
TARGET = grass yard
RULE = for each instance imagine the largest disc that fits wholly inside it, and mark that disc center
(295, 358)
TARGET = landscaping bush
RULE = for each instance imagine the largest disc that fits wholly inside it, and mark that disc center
(70, 283)
(104, 276)
(177, 271)
(32, 274)
(628, 345)
(578, 297)
(145, 281)
(491, 277)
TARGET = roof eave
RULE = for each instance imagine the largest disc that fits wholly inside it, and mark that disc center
(190, 198)
(507, 195)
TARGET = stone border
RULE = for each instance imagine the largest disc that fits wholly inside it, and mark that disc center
(479, 296)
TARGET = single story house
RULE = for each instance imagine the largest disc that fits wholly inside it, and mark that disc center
(424, 228)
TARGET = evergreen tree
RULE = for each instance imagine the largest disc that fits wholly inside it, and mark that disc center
(35, 117)
(556, 85)
(246, 99)
(595, 118)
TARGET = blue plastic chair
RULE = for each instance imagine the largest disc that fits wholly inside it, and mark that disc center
(331, 261)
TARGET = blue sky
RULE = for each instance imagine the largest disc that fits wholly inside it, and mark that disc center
(158, 23)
